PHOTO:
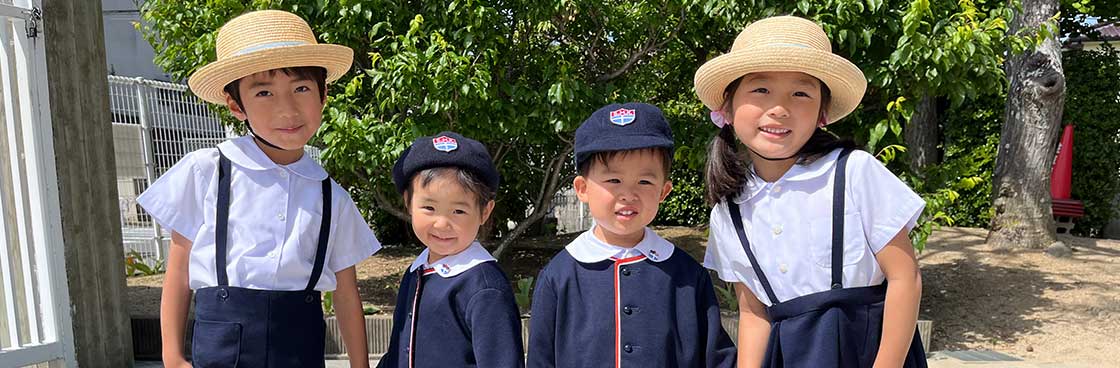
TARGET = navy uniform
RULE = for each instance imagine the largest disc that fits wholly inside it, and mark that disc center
(266, 240)
(597, 304)
(817, 274)
(458, 311)
(652, 305)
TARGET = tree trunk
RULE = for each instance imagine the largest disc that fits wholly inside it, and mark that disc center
(1021, 183)
(923, 132)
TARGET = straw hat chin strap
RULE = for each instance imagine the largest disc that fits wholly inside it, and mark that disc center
(259, 138)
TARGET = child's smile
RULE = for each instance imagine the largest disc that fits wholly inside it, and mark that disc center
(285, 110)
(775, 113)
(445, 216)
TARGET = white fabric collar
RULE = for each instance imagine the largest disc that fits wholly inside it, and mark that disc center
(797, 172)
(588, 249)
(454, 264)
(245, 153)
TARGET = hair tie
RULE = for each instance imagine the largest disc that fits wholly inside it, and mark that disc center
(718, 119)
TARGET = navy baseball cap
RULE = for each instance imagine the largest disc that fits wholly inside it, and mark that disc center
(446, 149)
(622, 127)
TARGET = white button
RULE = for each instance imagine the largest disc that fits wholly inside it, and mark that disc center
(283, 173)
(280, 216)
(778, 230)
(783, 268)
(272, 254)
(777, 188)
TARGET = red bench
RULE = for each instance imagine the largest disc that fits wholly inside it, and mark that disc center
(1065, 211)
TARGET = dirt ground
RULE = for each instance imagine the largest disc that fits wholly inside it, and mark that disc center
(1024, 303)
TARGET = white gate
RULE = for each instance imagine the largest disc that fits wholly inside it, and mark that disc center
(35, 324)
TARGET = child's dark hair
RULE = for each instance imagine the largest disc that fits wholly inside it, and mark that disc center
(469, 181)
(665, 154)
(315, 73)
(725, 172)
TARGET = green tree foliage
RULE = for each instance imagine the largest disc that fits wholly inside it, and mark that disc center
(521, 75)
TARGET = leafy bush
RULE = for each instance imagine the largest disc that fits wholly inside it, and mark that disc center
(685, 205)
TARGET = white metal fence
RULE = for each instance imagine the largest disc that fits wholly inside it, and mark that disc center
(34, 302)
(154, 125)
(571, 215)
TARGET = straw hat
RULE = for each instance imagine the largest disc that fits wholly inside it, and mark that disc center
(264, 40)
(783, 44)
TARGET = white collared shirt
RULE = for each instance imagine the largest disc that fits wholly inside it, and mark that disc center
(587, 248)
(789, 226)
(454, 264)
(274, 217)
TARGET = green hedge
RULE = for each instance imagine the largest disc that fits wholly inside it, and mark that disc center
(1093, 107)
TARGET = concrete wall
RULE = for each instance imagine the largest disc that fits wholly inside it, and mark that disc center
(91, 229)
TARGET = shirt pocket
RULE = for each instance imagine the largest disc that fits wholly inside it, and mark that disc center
(820, 240)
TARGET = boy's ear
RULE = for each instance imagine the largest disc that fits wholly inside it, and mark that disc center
(235, 109)
(580, 185)
(486, 212)
(666, 189)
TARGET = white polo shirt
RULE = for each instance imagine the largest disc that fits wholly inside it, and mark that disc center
(789, 226)
(274, 217)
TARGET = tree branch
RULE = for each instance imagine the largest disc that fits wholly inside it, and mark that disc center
(542, 204)
(384, 203)
(642, 52)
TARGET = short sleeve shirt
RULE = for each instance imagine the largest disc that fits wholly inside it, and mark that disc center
(789, 226)
(274, 218)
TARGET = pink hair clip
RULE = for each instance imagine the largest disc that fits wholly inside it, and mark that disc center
(718, 119)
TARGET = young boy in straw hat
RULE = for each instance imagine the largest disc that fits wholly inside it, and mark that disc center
(258, 229)
(812, 232)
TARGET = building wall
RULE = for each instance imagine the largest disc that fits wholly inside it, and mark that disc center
(128, 54)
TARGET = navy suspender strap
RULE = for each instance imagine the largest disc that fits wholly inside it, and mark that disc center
(737, 219)
(324, 234)
(222, 219)
(838, 220)
(221, 230)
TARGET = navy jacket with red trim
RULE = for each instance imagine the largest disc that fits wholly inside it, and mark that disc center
(467, 320)
(667, 313)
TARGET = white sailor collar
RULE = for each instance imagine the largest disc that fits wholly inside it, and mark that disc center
(588, 249)
(246, 154)
(798, 172)
(454, 264)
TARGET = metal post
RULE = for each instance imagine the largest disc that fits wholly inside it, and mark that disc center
(149, 158)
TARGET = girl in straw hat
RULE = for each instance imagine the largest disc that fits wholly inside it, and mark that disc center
(258, 229)
(812, 233)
